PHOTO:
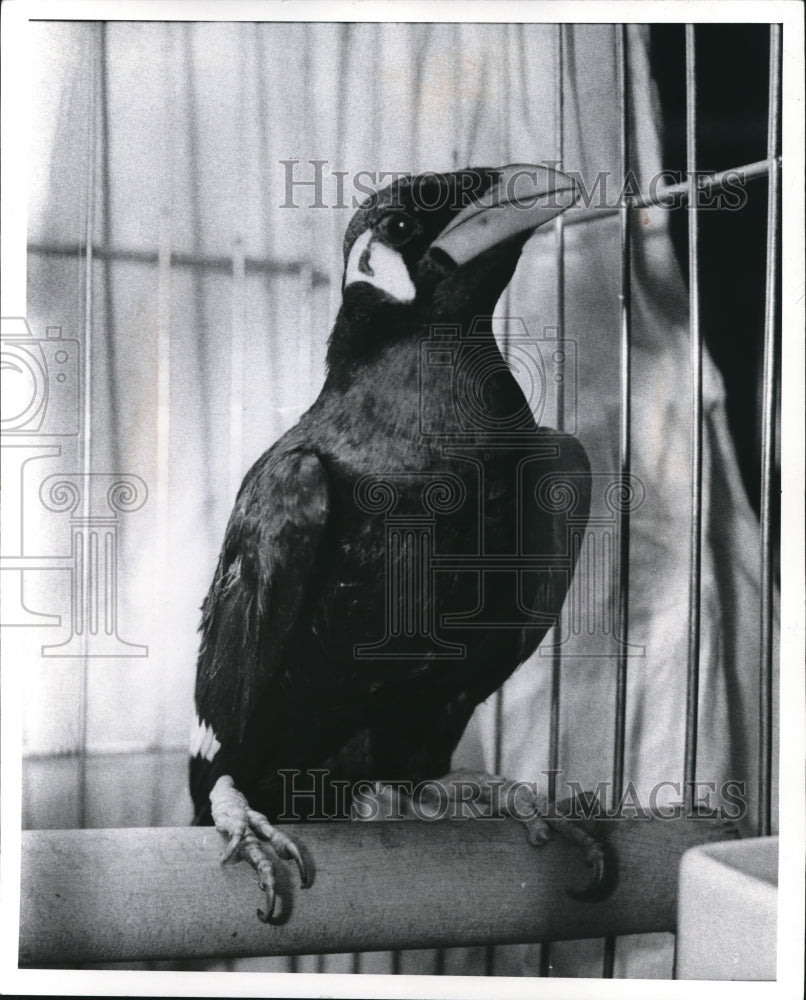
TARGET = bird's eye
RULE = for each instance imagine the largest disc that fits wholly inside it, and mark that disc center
(398, 229)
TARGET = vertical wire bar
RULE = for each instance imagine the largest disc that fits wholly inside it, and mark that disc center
(238, 311)
(559, 252)
(109, 303)
(395, 958)
(695, 544)
(424, 32)
(345, 54)
(498, 724)
(306, 324)
(86, 428)
(505, 141)
(456, 153)
(163, 345)
(163, 380)
(544, 969)
(262, 59)
(236, 400)
(201, 323)
(625, 321)
(768, 441)
(264, 56)
(456, 77)
(498, 734)
(625, 318)
(506, 138)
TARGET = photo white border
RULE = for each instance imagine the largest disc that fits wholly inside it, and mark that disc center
(792, 812)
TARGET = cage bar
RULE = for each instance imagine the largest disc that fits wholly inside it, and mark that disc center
(559, 264)
(159, 736)
(197, 261)
(768, 443)
(622, 602)
(664, 196)
(86, 420)
(710, 184)
(624, 427)
(695, 550)
(237, 348)
(544, 967)
(110, 323)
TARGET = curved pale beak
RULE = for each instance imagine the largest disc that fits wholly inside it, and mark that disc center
(524, 197)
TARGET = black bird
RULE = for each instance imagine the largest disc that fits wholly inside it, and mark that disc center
(393, 558)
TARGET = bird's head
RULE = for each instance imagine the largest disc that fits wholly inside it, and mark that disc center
(438, 248)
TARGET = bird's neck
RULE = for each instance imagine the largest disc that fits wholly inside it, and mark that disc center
(364, 330)
(442, 383)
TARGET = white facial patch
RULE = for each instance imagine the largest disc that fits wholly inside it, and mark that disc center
(379, 265)
(203, 742)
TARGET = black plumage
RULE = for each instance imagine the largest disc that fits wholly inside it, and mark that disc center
(409, 466)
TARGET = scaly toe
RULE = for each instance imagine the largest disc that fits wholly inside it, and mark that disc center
(537, 830)
(253, 853)
(231, 850)
(282, 844)
(265, 915)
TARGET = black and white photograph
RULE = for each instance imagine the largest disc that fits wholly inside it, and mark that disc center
(402, 509)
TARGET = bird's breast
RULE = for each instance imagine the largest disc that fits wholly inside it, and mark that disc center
(420, 579)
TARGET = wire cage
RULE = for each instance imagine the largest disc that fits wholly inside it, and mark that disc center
(76, 780)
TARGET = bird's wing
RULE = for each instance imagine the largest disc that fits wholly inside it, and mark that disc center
(251, 610)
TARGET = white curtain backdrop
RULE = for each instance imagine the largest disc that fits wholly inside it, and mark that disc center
(161, 139)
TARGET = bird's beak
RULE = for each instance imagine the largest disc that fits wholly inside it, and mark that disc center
(524, 197)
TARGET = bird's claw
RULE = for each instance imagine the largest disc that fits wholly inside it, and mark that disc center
(595, 887)
(286, 849)
(266, 886)
(538, 830)
(229, 852)
(283, 845)
(518, 800)
(302, 868)
(246, 831)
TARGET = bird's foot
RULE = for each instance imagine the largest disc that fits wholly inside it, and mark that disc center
(517, 799)
(248, 831)
(593, 851)
(382, 800)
